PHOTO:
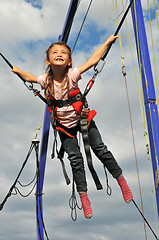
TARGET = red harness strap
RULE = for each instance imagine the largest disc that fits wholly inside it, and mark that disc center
(80, 105)
(77, 101)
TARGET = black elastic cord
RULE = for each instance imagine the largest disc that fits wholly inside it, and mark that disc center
(81, 26)
(118, 28)
(145, 219)
(73, 203)
(35, 91)
(38, 194)
(109, 189)
(16, 180)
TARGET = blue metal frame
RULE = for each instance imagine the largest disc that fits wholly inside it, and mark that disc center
(149, 92)
(149, 97)
(46, 125)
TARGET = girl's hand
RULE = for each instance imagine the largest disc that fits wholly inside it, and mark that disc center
(112, 39)
(25, 75)
(15, 69)
(97, 55)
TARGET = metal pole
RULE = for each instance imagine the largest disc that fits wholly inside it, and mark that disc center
(149, 92)
(46, 125)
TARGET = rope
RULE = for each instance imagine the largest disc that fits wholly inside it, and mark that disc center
(156, 13)
(109, 189)
(153, 50)
(124, 74)
(13, 187)
(142, 106)
(82, 26)
(141, 101)
(136, 160)
(117, 17)
(155, 81)
(145, 219)
(158, 4)
(22, 195)
(39, 123)
(73, 203)
(38, 192)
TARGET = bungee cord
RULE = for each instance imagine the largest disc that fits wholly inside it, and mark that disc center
(14, 190)
(13, 187)
(30, 86)
(82, 25)
(11, 66)
(156, 13)
(73, 204)
(119, 14)
(143, 111)
(118, 28)
(73, 201)
(39, 194)
(130, 115)
(153, 51)
(141, 101)
(145, 220)
(97, 71)
(124, 74)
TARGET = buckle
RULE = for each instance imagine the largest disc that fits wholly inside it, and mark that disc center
(78, 96)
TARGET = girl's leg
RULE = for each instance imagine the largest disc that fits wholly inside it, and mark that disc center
(71, 147)
(127, 194)
(86, 205)
(102, 152)
(107, 158)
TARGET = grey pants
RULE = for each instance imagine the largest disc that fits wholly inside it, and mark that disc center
(72, 148)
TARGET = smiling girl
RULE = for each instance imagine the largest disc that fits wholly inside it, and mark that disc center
(60, 82)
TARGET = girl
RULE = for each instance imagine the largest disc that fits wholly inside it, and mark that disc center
(59, 81)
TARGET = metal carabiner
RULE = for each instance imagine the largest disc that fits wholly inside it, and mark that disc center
(96, 69)
(30, 86)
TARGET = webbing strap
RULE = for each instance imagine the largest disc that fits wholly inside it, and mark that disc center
(84, 131)
(118, 29)
(60, 153)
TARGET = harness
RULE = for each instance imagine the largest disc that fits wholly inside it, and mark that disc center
(78, 101)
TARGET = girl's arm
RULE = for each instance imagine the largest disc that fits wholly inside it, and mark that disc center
(25, 75)
(97, 55)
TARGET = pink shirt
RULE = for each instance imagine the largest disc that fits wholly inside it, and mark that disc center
(67, 115)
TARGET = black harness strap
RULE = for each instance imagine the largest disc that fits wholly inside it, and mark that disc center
(68, 101)
(30, 87)
(60, 153)
(84, 131)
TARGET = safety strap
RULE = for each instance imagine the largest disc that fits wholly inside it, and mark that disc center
(60, 153)
(84, 131)
(69, 101)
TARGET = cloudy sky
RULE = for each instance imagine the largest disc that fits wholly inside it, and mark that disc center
(27, 28)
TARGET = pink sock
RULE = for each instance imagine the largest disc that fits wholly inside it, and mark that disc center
(127, 194)
(86, 204)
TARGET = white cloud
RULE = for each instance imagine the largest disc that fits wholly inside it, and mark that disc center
(26, 33)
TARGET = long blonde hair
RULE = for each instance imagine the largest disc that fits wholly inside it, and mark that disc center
(49, 90)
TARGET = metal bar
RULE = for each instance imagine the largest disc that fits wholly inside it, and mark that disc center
(11, 66)
(69, 20)
(46, 125)
(149, 92)
(118, 29)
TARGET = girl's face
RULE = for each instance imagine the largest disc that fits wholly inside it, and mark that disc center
(59, 56)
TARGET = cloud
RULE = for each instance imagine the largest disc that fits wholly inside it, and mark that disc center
(27, 29)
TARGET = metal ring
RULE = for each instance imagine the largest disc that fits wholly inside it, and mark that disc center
(78, 96)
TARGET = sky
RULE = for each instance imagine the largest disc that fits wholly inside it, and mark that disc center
(28, 27)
